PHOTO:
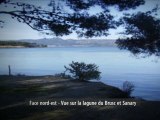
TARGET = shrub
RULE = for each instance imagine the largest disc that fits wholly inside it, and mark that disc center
(62, 75)
(128, 88)
(82, 71)
(20, 75)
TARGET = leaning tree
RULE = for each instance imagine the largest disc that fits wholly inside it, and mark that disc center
(63, 17)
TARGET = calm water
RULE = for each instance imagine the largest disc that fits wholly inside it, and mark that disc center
(116, 66)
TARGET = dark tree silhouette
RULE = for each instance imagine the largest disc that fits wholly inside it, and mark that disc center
(143, 27)
(82, 71)
(61, 22)
(128, 88)
(145, 31)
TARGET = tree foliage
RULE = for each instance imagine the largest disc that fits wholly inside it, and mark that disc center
(120, 4)
(145, 31)
(83, 72)
(61, 22)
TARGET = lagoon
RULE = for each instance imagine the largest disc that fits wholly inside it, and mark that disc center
(116, 65)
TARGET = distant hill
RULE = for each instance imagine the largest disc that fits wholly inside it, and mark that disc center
(58, 42)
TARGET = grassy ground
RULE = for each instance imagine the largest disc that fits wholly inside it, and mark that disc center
(17, 91)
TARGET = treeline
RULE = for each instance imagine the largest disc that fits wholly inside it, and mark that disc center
(17, 43)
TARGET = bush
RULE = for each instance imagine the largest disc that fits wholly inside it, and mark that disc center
(128, 88)
(82, 71)
(20, 75)
(62, 75)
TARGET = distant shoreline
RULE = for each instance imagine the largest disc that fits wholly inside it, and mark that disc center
(53, 46)
(19, 47)
(17, 44)
(57, 42)
(9, 46)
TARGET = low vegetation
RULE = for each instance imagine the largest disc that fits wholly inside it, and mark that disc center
(17, 43)
(82, 71)
(62, 75)
(128, 88)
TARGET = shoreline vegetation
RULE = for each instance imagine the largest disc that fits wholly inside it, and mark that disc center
(17, 44)
(17, 90)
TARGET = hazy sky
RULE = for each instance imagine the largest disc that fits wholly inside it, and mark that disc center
(13, 30)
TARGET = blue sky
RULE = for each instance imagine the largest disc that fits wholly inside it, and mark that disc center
(13, 30)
